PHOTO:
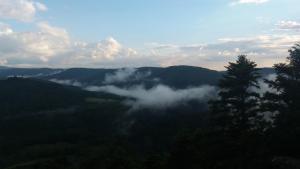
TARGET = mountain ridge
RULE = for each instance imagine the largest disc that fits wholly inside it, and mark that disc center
(179, 77)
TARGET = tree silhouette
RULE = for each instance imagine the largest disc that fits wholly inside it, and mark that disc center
(237, 106)
(286, 101)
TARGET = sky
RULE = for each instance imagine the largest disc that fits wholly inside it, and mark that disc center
(136, 33)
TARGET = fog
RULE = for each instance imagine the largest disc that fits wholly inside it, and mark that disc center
(160, 96)
(263, 86)
(67, 82)
(125, 75)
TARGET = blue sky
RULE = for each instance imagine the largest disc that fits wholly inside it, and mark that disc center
(167, 21)
(98, 33)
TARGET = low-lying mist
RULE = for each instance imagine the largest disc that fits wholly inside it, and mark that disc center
(67, 82)
(125, 75)
(160, 96)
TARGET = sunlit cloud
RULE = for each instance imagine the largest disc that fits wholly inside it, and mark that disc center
(288, 25)
(21, 10)
(249, 2)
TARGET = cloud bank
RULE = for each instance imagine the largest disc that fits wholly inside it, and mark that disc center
(52, 46)
(264, 49)
(158, 97)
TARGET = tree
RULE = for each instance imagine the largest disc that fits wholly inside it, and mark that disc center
(286, 101)
(236, 110)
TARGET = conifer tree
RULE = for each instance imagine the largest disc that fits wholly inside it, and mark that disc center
(236, 110)
(285, 102)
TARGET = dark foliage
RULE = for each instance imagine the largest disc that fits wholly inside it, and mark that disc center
(285, 105)
(286, 101)
(236, 110)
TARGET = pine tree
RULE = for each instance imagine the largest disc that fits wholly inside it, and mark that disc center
(237, 106)
(286, 101)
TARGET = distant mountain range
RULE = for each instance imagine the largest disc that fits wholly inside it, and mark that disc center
(44, 122)
(174, 76)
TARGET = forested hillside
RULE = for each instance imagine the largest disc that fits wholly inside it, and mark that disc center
(48, 125)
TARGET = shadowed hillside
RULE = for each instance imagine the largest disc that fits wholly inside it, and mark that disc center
(19, 95)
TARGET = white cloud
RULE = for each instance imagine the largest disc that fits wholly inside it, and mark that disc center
(67, 82)
(263, 86)
(110, 49)
(107, 48)
(265, 50)
(22, 10)
(289, 25)
(29, 47)
(40, 6)
(125, 75)
(53, 46)
(5, 29)
(108, 53)
(3, 62)
(121, 75)
(168, 97)
(249, 2)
